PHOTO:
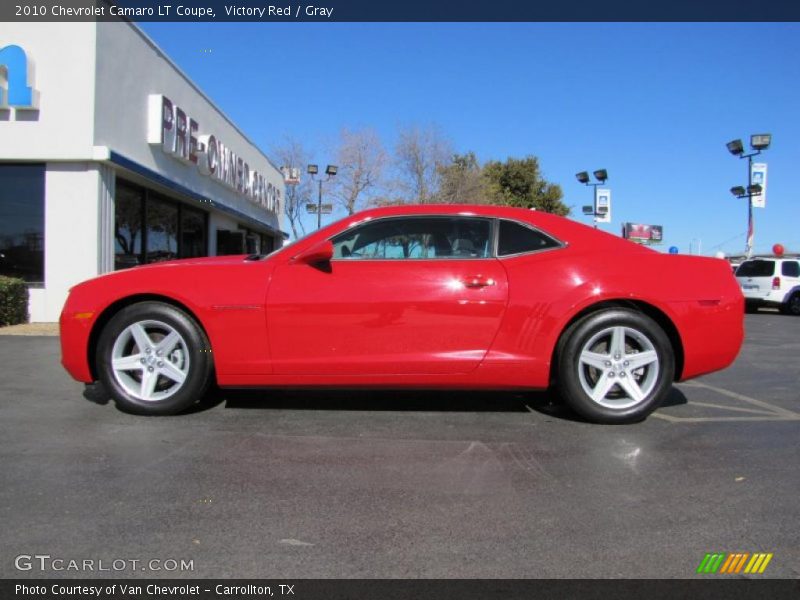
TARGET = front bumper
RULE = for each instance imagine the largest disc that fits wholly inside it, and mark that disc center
(76, 330)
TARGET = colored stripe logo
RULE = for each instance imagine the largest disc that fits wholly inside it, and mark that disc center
(728, 563)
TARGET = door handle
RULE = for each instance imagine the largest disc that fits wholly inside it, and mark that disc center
(478, 282)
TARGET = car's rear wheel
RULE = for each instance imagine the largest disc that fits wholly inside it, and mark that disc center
(792, 306)
(153, 359)
(615, 366)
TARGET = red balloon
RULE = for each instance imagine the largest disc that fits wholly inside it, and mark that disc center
(778, 249)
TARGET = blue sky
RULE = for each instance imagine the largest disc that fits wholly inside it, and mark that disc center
(652, 103)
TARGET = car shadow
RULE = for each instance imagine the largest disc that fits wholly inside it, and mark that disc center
(375, 400)
(96, 392)
(544, 402)
(675, 398)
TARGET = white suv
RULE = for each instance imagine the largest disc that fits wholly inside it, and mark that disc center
(771, 282)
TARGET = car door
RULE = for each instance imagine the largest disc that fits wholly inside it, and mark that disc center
(402, 295)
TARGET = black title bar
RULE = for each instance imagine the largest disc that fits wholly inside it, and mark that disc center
(289, 11)
(709, 588)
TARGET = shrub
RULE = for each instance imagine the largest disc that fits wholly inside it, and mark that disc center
(13, 301)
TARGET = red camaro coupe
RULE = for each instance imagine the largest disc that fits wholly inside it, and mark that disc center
(434, 296)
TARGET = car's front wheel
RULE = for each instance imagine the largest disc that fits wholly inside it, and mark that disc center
(153, 359)
(615, 366)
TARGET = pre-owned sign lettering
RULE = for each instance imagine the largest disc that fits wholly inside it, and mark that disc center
(178, 135)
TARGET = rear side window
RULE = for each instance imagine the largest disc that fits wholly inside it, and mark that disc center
(515, 238)
(790, 269)
(756, 268)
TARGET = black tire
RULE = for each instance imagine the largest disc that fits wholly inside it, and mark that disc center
(595, 333)
(190, 358)
(792, 305)
(750, 307)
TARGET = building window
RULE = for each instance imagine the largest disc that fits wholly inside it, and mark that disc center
(22, 221)
(193, 233)
(266, 243)
(128, 234)
(251, 243)
(162, 229)
(150, 227)
(230, 242)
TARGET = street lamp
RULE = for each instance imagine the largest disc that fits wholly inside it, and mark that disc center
(583, 177)
(330, 171)
(758, 142)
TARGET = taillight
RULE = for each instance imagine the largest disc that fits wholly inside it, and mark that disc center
(776, 283)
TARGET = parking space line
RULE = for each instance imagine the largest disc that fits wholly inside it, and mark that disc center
(764, 412)
(735, 408)
(755, 402)
(669, 418)
(672, 419)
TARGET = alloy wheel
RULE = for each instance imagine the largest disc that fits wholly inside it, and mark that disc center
(619, 367)
(150, 360)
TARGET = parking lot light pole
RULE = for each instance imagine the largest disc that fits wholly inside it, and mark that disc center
(758, 143)
(330, 171)
(583, 177)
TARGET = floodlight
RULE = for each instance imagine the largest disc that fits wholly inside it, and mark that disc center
(331, 170)
(754, 190)
(738, 191)
(601, 175)
(582, 177)
(735, 147)
(312, 169)
(760, 141)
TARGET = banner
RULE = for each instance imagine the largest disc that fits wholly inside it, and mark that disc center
(603, 206)
(758, 175)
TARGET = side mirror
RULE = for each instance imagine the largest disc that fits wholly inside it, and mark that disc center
(318, 253)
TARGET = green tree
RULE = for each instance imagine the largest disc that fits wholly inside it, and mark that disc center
(462, 181)
(519, 182)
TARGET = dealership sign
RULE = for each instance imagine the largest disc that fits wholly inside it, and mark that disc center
(643, 234)
(15, 66)
(179, 136)
(758, 176)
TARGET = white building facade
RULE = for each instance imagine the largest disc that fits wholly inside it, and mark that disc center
(111, 157)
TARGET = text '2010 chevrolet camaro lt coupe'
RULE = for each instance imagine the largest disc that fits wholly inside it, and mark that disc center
(434, 296)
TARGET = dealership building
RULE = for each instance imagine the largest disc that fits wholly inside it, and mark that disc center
(111, 157)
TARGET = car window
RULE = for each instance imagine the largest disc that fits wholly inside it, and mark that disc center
(416, 238)
(790, 268)
(516, 238)
(756, 268)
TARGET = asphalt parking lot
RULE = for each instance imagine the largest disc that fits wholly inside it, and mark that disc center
(400, 484)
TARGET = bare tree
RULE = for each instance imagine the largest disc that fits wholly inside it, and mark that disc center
(291, 154)
(420, 153)
(361, 159)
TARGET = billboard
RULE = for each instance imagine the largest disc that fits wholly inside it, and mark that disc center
(602, 208)
(759, 176)
(643, 234)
